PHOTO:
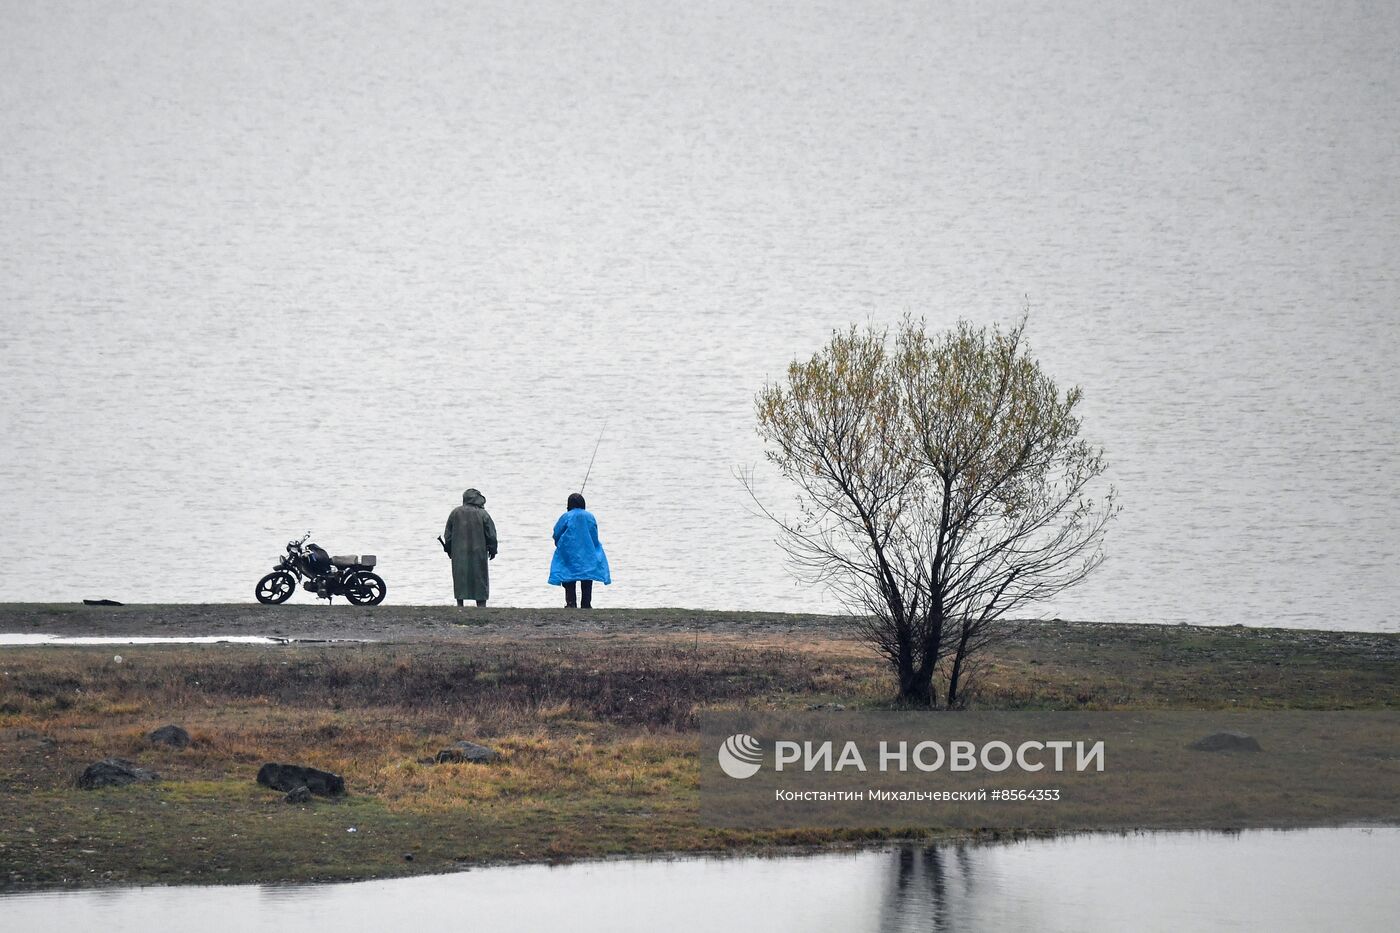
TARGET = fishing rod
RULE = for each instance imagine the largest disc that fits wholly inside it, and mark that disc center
(592, 458)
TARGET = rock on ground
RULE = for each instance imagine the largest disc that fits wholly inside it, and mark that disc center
(171, 735)
(114, 772)
(299, 794)
(466, 751)
(290, 777)
(1227, 742)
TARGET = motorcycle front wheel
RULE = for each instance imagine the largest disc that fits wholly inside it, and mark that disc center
(276, 587)
(365, 589)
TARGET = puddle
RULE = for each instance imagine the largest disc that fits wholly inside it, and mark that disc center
(13, 640)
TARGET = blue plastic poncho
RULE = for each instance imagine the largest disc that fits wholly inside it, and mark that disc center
(578, 554)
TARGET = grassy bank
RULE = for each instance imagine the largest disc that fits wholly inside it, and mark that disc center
(593, 720)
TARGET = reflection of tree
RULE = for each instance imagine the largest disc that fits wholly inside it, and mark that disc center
(931, 888)
(952, 887)
(917, 896)
(963, 858)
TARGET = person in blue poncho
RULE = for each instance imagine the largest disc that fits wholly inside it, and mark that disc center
(578, 554)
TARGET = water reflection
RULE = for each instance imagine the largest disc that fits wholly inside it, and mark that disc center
(918, 897)
(1276, 881)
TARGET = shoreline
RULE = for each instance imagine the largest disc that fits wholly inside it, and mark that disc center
(592, 715)
(958, 838)
(409, 622)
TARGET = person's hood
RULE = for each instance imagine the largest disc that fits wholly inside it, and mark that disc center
(473, 497)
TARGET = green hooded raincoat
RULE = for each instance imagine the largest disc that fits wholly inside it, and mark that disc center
(471, 540)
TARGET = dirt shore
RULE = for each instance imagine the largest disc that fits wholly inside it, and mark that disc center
(393, 624)
(388, 623)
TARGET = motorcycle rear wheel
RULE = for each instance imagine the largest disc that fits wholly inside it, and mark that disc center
(365, 589)
(276, 587)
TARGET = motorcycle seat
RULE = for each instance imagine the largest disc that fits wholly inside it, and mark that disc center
(355, 560)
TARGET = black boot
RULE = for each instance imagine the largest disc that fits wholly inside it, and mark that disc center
(587, 594)
(571, 595)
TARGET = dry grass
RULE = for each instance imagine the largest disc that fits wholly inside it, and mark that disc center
(596, 756)
(594, 732)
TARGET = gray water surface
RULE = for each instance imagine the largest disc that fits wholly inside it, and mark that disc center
(1306, 880)
(22, 639)
(282, 265)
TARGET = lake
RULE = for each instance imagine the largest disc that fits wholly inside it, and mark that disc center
(274, 267)
(1303, 880)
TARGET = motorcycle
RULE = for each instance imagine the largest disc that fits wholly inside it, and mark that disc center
(325, 575)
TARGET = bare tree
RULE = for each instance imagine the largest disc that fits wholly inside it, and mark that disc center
(941, 484)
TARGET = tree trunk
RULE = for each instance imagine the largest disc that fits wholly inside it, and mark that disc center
(955, 675)
(904, 666)
(917, 689)
(953, 682)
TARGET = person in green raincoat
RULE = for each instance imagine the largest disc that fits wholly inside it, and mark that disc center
(470, 540)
